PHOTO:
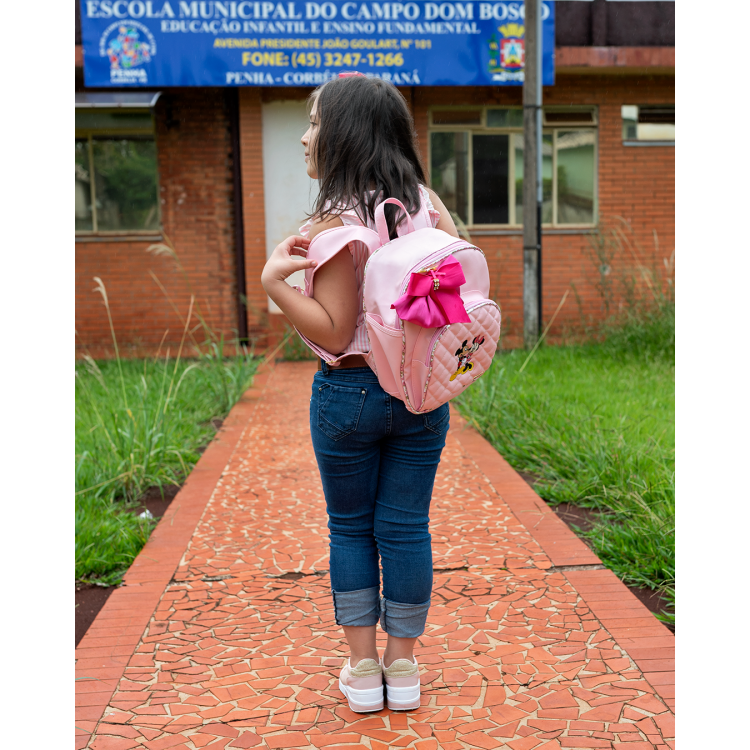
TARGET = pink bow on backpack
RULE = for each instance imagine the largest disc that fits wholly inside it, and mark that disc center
(432, 298)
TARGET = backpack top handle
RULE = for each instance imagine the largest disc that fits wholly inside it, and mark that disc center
(382, 225)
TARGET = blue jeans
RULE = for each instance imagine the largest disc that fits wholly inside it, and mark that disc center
(377, 464)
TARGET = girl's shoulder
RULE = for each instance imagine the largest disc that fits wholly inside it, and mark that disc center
(350, 218)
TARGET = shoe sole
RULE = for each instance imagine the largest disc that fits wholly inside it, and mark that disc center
(403, 698)
(363, 701)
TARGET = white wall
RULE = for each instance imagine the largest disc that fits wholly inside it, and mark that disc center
(288, 190)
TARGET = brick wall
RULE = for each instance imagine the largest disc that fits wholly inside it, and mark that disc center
(195, 178)
(636, 184)
(251, 157)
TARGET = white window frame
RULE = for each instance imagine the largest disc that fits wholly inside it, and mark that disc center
(516, 222)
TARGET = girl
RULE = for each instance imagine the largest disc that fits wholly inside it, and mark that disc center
(377, 460)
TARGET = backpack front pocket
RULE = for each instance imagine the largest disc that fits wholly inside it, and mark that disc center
(460, 354)
(339, 409)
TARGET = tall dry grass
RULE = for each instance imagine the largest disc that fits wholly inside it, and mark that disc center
(141, 424)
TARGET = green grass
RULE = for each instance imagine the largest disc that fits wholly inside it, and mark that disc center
(140, 423)
(293, 348)
(596, 424)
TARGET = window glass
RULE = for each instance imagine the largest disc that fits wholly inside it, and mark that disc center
(518, 147)
(126, 184)
(629, 122)
(478, 171)
(449, 171)
(504, 118)
(652, 122)
(490, 179)
(655, 131)
(656, 122)
(575, 177)
(84, 219)
(547, 178)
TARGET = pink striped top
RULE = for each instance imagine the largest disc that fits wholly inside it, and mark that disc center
(360, 343)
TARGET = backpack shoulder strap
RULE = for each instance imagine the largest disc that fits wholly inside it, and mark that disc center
(331, 242)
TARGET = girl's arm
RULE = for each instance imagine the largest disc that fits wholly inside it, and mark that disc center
(328, 318)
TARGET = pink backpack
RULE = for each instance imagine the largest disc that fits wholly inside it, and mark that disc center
(432, 329)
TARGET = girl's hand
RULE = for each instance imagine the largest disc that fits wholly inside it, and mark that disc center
(281, 264)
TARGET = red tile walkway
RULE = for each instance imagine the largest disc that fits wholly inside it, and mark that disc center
(223, 635)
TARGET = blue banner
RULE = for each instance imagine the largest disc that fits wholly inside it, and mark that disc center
(247, 43)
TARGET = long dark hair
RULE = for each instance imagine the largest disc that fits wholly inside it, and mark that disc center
(365, 149)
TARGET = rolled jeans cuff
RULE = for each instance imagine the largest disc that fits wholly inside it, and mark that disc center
(359, 608)
(403, 620)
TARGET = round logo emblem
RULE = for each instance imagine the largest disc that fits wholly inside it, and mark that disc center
(128, 45)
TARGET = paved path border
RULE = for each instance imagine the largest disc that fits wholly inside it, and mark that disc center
(635, 629)
(101, 656)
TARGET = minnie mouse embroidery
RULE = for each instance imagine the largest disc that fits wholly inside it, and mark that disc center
(464, 353)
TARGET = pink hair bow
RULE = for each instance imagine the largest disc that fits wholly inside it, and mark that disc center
(432, 298)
